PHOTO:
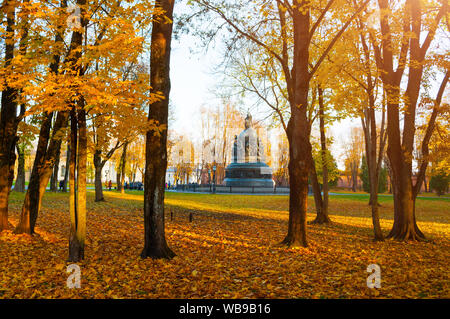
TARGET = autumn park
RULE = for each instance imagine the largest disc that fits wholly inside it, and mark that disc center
(224, 150)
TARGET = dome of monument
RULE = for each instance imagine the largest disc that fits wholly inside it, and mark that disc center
(250, 132)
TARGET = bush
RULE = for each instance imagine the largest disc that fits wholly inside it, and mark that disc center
(439, 183)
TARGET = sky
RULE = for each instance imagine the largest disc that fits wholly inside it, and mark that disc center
(192, 82)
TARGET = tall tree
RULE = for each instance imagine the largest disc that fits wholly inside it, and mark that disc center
(361, 75)
(54, 178)
(298, 70)
(78, 147)
(121, 169)
(72, 84)
(401, 140)
(156, 142)
(19, 185)
(99, 163)
(26, 132)
(113, 125)
(46, 151)
(66, 170)
(354, 151)
(9, 118)
(323, 216)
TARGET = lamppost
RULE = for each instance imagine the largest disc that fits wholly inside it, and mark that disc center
(106, 178)
(214, 178)
(209, 179)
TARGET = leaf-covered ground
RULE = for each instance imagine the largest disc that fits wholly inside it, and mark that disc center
(230, 250)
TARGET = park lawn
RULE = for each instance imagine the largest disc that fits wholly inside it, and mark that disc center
(229, 250)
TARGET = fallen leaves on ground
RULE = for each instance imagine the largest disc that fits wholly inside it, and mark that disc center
(230, 250)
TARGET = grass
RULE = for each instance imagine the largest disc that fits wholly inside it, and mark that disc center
(230, 250)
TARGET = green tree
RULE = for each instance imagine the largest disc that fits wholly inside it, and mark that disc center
(331, 165)
(382, 182)
(439, 182)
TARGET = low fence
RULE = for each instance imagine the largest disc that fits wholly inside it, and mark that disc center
(210, 188)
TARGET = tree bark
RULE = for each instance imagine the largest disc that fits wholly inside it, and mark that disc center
(123, 162)
(156, 144)
(99, 163)
(374, 173)
(78, 207)
(54, 177)
(354, 170)
(370, 138)
(76, 250)
(118, 178)
(323, 144)
(317, 193)
(8, 120)
(42, 170)
(426, 139)
(78, 156)
(298, 133)
(19, 185)
(401, 141)
(98, 177)
(44, 159)
(66, 172)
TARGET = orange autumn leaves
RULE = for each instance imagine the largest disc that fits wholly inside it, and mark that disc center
(230, 250)
(114, 40)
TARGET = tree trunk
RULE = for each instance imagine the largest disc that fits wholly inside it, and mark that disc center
(98, 177)
(320, 218)
(373, 162)
(19, 186)
(389, 170)
(354, 170)
(8, 120)
(119, 178)
(298, 131)
(298, 177)
(298, 134)
(54, 177)
(44, 159)
(78, 225)
(78, 156)
(42, 170)
(12, 163)
(404, 221)
(156, 144)
(323, 143)
(76, 250)
(405, 227)
(66, 172)
(401, 140)
(123, 162)
(374, 174)
(32, 195)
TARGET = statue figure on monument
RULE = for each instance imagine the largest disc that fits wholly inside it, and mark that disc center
(248, 167)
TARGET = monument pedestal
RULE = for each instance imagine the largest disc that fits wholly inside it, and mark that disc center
(248, 175)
